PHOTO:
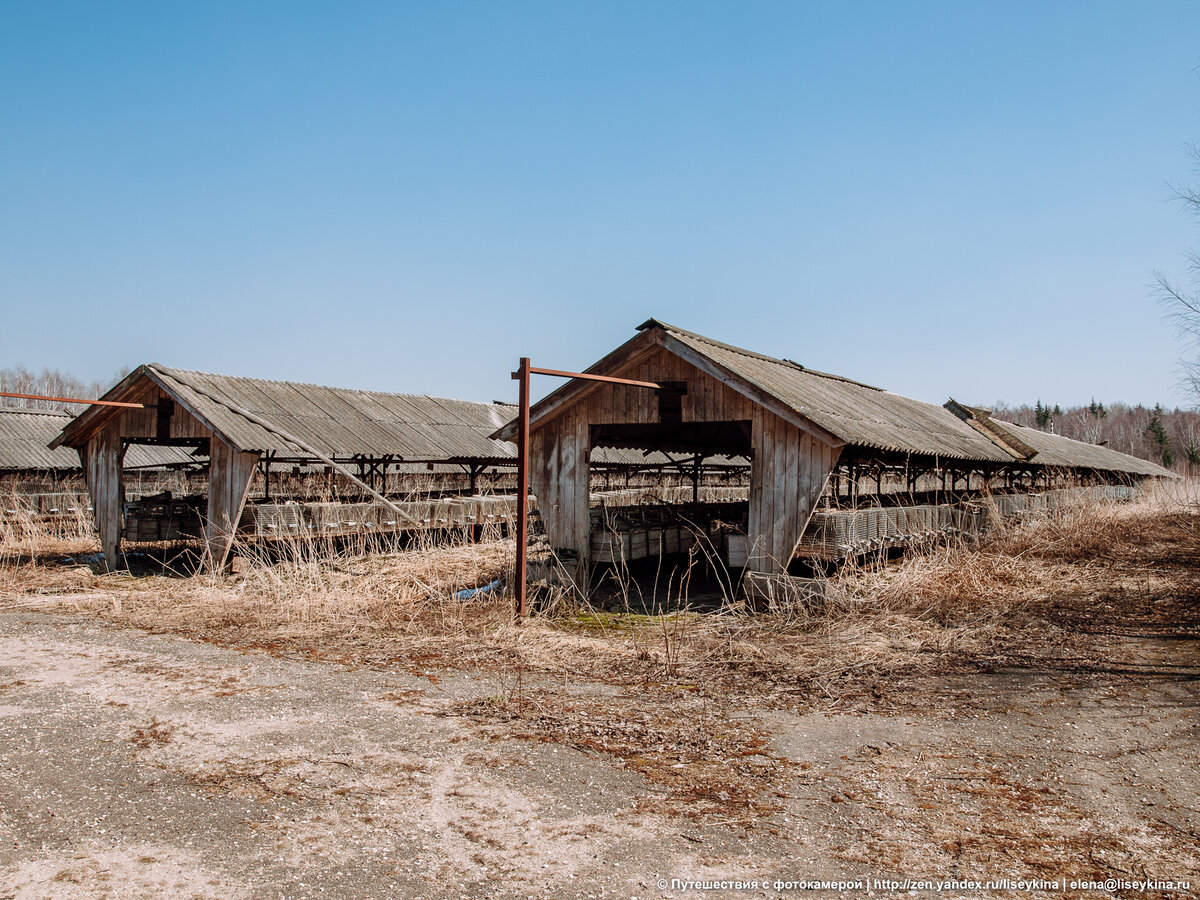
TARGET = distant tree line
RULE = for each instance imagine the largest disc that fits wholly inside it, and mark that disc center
(50, 383)
(1170, 438)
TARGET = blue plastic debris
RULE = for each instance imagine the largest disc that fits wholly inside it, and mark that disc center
(468, 593)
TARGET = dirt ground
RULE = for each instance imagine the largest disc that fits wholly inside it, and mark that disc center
(1036, 719)
(143, 765)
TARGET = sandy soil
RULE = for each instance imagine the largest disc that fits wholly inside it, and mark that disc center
(148, 765)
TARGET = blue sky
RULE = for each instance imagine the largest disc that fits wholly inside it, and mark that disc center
(959, 199)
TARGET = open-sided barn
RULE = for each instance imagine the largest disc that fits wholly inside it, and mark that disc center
(235, 425)
(811, 438)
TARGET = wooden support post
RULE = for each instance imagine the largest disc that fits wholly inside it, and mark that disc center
(266, 470)
(102, 467)
(229, 477)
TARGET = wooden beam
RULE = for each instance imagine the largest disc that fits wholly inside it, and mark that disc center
(102, 457)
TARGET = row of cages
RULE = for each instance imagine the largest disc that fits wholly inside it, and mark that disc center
(164, 518)
(625, 534)
(842, 534)
(273, 520)
(622, 535)
(46, 504)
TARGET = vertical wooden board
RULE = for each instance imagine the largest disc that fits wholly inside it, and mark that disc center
(582, 480)
(566, 475)
(667, 368)
(787, 535)
(779, 523)
(700, 411)
(777, 485)
(800, 449)
(630, 404)
(102, 467)
(218, 513)
(550, 502)
(229, 476)
(596, 401)
(759, 512)
(648, 397)
(605, 410)
(537, 466)
(714, 398)
(756, 477)
(816, 467)
(141, 422)
(686, 372)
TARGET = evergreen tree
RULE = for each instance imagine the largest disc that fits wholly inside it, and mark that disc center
(1158, 435)
(1041, 415)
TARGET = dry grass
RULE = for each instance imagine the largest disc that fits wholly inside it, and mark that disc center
(1028, 594)
(956, 601)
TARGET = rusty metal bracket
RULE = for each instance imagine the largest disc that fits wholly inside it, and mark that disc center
(522, 375)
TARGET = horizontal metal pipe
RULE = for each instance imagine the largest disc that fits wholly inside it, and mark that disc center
(73, 400)
(586, 377)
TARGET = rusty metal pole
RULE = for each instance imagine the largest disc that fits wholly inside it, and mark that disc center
(522, 375)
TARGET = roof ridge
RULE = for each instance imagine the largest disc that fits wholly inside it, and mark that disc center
(651, 323)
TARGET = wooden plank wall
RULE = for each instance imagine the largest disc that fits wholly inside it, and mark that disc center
(559, 475)
(229, 476)
(143, 423)
(707, 399)
(788, 473)
(102, 459)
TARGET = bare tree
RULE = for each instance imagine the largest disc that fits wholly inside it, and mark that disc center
(52, 382)
(1181, 301)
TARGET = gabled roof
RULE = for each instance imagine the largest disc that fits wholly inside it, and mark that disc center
(25, 435)
(843, 412)
(853, 412)
(339, 422)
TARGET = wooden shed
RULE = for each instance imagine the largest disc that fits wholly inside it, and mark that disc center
(798, 427)
(234, 422)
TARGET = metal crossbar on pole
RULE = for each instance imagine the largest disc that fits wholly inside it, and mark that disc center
(522, 375)
(73, 400)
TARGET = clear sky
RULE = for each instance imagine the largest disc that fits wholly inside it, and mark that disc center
(964, 199)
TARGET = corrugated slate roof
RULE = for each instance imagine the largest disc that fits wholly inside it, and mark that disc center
(26, 433)
(1056, 450)
(841, 410)
(872, 417)
(340, 422)
(854, 412)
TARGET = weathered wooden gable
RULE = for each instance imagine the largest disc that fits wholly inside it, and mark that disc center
(789, 467)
